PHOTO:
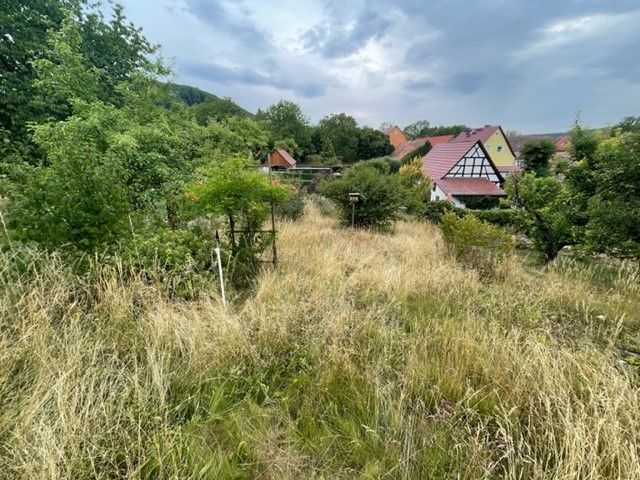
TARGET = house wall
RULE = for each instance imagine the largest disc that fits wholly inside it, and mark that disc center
(278, 161)
(438, 194)
(396, 137)
(504, 156)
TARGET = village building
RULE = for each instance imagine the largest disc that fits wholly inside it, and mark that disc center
(461, 171)
(405, 149)
(280, 159)
(494, 141)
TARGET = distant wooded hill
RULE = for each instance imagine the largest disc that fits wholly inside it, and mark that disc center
(208, 104)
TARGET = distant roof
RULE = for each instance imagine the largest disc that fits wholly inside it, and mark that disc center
(288, 158)
(508, 169)
(444, 156)
(469, 186)
(439, 139)
(482, 133)
(562, 143)
(410, 146)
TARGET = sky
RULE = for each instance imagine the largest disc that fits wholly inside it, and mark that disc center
(528, 65)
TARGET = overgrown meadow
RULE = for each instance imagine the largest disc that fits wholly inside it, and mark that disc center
(363, 355)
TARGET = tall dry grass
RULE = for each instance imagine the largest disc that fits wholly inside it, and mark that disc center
(363, 355)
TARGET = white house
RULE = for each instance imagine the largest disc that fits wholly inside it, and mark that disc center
(462, 169)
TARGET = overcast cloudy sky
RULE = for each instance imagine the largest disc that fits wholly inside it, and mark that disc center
(528, 65)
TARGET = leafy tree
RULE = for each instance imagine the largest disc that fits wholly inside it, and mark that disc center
(536, 155)
(286, 120)
(417, 129)
(628, 124)
(583, 142)
(383, 194)
(373, 143)
(80, 200)
(413, 178)
(342, 130)
(613, 224)
(191, 95)
(241, 194)
(545, 200)
(116, 49)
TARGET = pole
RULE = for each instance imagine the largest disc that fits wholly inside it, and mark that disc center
(217, 249)
(353, 214)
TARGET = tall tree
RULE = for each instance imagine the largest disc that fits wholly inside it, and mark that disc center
(536, 155)
(286, 120)
(416, 129)
(342, 130)
(372, 144)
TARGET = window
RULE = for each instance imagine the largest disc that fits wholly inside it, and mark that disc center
(437, 198)
(499, 149)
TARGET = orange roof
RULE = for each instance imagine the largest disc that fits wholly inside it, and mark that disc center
(288, 158)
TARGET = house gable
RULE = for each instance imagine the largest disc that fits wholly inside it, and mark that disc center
(476, 163)
(396, 136)
(499, 148)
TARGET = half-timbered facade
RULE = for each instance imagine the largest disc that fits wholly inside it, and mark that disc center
(462, 169)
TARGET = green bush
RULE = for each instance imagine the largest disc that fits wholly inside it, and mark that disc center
(512, 219)
(477, 244)
(383, 195)
(434, 211)
(182, 261)
(293, 207)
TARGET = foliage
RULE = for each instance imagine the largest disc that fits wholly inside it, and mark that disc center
(218, 109)
(546, 203)
(372, 144)
(81, 200)
(613, 225)
(416, 129)
(536, 155)
(383, 194)
(113, 50)
(292, 208)
(236, 190)
(190, 95)
(342, 131)
(480, 202)
(514, 219)
(475, 243)
(384, 165)
(286, 120)
(413, 178)
(179, 260)
(583, 142)
(435, 210)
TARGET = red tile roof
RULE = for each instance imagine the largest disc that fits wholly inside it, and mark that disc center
(443, 157)
(469, 186)
(439, 139)
(288, 158)
(408, 147)
(481, 134)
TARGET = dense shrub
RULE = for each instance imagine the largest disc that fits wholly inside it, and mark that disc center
(475, 243)
(382, 196)
(434, 211)
(513, 219)
(182, 261)
(480, 202)
(293, 207)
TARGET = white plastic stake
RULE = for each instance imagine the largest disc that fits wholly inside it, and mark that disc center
(217, 249)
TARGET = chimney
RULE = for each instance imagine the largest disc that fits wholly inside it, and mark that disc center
(487, 126)
(467, 131)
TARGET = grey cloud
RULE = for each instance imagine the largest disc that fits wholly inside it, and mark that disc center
(248, 76)
(233, 23)
(336, 39)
